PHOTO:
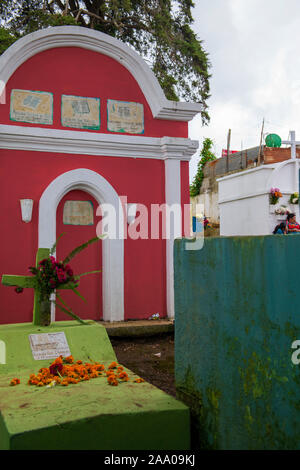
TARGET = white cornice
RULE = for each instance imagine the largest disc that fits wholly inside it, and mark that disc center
(76, 36)
(90, 143)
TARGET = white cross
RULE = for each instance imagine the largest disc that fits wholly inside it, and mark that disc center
(293, 142)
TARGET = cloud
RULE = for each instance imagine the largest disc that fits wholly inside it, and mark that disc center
(253, 47)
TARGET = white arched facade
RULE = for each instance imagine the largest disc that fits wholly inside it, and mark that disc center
(113, 249)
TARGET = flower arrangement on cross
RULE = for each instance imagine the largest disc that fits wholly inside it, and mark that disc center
(48, 276)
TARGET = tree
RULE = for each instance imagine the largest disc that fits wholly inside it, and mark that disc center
(205, 156)
(160, 30)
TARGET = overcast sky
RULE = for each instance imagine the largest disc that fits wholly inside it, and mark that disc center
(254, 50)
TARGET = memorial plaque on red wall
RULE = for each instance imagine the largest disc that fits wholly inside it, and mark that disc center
(80, 112)
(78, 213)
(125, 116)
(35, 107)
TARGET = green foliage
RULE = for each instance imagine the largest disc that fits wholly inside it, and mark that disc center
(53, 249)
(205, 156)
(6, 39)
(160, 30)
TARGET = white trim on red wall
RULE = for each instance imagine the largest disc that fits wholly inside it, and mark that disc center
(173, 197)
(90, 143)
(76, 36)
(113, 250)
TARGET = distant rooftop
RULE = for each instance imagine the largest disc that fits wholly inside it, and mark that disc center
(247, 158)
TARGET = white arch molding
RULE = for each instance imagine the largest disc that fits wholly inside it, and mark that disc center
(113, 250)
(76, 36)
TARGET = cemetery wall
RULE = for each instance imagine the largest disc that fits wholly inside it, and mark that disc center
(237, 316)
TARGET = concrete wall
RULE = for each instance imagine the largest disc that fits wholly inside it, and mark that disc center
(208, 202)
(237, 315)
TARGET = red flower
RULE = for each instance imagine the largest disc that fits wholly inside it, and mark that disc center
(56, 368)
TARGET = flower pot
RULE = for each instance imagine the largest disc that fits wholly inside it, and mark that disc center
(45, 312)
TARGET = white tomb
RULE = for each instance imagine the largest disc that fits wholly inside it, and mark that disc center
(244, 197)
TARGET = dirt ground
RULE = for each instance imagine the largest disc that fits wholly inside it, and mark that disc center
(151, 357)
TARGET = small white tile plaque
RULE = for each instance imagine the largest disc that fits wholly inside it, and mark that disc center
(49, 345)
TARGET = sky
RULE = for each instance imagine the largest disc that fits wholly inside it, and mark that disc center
(254, 50)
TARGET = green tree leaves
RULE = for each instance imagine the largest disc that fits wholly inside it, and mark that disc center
(206, 155)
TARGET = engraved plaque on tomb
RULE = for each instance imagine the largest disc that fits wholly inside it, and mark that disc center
(49, 345)
(80, 112)
(35, 107)
(78, 213)
(123, 116)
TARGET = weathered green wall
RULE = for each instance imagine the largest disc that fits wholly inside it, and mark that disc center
(237, 310)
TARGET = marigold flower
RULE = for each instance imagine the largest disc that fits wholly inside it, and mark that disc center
(139, 380)
(112, 380)
(69, 359)
(123, 376)
(109, 372)
(113, 365)
(15, 381)
(58, 360)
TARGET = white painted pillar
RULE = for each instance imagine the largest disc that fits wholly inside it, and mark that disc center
(173, 196)
(293, 144)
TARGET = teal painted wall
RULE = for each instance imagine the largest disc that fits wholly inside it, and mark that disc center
(237, 312)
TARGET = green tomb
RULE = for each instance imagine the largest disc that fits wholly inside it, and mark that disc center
(88, 415)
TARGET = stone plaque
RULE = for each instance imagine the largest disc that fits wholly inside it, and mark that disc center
(78, 213)
(80, 112)
(123, 116)
(49, 345)
(31, 106)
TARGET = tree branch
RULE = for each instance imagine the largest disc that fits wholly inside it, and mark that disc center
(60, 5)
(65, 12)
